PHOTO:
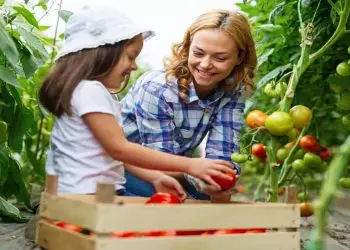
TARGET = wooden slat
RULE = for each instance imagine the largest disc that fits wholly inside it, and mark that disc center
(54, 238)
(104, 218)
(76, 212)
(270, 241)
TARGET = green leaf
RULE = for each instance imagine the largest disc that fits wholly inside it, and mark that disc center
(10, 213)
(33, 43)
(8, 76)
(341, 81)
(28, 63)
(4, 164)
(20, 191)
(263, 58)
(27, 15)
(65, 14)
(2, 2)
(7, 45)
(22, 121)
(272, 74)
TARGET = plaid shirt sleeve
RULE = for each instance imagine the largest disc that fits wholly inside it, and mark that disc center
(223, 138)
(154, 117)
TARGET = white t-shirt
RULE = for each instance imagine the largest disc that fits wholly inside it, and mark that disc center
(75, 155)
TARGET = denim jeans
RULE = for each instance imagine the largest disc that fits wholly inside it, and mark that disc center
(137, 187)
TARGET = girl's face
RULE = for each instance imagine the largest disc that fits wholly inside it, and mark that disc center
(125, 65)
(212, 56)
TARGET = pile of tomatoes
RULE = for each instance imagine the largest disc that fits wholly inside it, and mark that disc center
(156, 199)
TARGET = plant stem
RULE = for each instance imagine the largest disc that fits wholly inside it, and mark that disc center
(328, 191)
(262, 182)
(271, 163)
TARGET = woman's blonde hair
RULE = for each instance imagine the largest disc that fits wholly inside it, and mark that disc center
(237, 26)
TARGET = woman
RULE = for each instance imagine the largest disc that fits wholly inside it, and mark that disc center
(200, 93)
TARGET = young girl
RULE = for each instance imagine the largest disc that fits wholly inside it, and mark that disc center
(87, 142)
(200, 93)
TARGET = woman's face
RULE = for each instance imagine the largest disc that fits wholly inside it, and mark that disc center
(212, 56)
(125, 65)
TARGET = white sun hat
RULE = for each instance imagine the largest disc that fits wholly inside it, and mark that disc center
(94, 26)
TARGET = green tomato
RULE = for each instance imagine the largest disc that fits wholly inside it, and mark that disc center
(301, 115)
(335, 87)
(292, 134)
(279, 123)
(312, 160)
(299, 154)
(3, 132)
(343, 69)
(270, 91)
(239, 158)
(299, 166)
(344, 100)
(282, 154)
(345, 120)
(344, 182)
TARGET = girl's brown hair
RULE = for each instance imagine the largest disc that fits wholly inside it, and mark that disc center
(88, 64)
(236, 25)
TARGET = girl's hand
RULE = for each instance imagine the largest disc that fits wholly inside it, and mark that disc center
(205, 169)
(168, 184)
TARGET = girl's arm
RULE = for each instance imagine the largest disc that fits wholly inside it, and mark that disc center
(109, 134)
(160, 181)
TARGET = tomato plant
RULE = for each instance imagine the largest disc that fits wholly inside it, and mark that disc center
(325, 154)
(239, 158)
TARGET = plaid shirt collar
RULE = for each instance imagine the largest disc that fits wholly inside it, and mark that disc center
(172, 95)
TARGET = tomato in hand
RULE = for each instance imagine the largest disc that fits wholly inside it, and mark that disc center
(163, 198)
(225, 184)
(256, 118)
(279, 123)
(301, 115)
(259, 151)
(309, 144)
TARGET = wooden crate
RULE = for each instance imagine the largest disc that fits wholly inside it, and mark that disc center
(131, 214)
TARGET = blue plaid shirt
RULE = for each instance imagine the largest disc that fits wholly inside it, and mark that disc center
(154, 115)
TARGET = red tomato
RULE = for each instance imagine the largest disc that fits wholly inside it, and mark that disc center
(230, 231)
(224, 183)
(325, 154)
(259, 151)
(164, 198)
(310, 144)
(256, 230)
(69, 227)
(160, 233)
(191, 232)
(126, 234)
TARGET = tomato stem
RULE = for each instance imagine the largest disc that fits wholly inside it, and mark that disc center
(271, 164)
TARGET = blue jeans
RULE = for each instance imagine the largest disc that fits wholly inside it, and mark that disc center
(137, 187)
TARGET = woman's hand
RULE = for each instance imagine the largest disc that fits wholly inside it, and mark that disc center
(205, 169)
(168, 184)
